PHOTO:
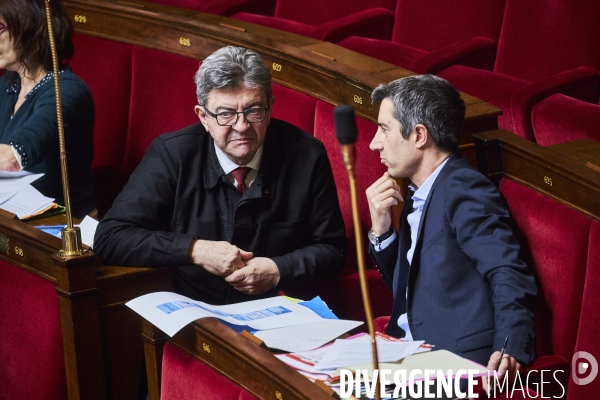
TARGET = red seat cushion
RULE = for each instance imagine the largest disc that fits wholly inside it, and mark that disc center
(31, 352)
(561, 118)
(555, 237)
(163, 96)
(186, 378)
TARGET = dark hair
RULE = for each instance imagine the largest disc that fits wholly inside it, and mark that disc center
(26, 20)
(427, 100)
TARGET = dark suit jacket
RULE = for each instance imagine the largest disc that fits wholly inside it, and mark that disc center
(466, 288)
(290, 213)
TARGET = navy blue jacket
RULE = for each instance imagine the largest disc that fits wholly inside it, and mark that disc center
(466, 288)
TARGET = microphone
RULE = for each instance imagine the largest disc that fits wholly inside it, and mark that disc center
(346, 133)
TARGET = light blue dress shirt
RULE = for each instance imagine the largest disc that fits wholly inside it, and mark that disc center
(414, 219)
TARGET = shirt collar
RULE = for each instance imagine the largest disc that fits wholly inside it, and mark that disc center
(227, 165)
(422, 192)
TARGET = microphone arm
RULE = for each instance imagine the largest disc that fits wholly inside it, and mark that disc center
(344, 119)
(71, 236)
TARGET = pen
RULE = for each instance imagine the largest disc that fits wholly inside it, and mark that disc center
(502, 353)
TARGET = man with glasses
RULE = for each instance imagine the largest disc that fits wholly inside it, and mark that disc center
(242, 204)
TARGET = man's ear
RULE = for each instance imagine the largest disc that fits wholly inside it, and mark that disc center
(422, 137)
(201, 113)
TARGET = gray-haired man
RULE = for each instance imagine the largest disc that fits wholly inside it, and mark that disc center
(241, 203)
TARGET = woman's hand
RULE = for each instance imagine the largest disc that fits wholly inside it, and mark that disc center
(8, 161)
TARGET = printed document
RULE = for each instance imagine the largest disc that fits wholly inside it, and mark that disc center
(170, 312)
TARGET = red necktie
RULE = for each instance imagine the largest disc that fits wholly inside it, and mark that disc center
(239, 174)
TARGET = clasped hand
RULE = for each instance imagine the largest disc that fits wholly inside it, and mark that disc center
(246, 273)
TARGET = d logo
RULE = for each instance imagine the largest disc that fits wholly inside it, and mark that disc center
(579, 367)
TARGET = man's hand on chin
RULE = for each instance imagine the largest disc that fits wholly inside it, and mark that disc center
(259, 275)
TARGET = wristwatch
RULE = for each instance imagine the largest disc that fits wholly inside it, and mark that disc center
(376, 240)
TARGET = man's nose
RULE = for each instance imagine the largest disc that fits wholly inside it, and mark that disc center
(375, 144)
(241, 123)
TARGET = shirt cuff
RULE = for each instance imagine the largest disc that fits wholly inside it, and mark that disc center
(18, 157)
(385, 243)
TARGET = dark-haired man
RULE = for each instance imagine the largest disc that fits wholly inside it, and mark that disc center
(454, 266)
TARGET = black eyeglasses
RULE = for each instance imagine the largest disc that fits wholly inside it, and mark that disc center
(230, 118)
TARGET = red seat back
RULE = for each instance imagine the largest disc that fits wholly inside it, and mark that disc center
(31, 353)
(554, 237)
(184, 377)
(541, 38)
(589, 325)
(163, 97)
(454, 21)
(294, 107)
(316, 12)
(105, 66)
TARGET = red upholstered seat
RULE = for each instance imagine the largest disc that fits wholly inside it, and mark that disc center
(555, 239)
(368, 170)
(294, 107)
(544, 48)
(186, 378)
(105, 66)
(163, 97)
(589, 325)
(463, 32)
(560, 118)
(223, 7)
(332, 20)
(31, 353)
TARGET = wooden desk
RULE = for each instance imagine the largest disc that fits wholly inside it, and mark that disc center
(101, 336)
(565, 172)
(583, 151)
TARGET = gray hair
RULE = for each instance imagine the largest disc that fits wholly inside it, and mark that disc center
(427, 100)
(232, 67)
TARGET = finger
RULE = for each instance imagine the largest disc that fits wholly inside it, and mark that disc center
(236, 277)
(504, 365)
(246, 255)
(493, 361)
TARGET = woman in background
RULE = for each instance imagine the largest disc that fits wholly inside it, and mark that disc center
(28, 126)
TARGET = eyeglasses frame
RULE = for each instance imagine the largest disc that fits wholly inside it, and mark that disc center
(237, 115)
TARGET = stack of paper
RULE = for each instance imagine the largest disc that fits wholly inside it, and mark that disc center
(19, 197)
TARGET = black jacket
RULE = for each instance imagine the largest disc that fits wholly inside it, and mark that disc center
(290, 213)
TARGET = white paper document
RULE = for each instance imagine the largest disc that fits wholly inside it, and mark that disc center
(346, 352)
(307, 336)
(88, 230)
(27, 201)
(170, 312)
(11, 186)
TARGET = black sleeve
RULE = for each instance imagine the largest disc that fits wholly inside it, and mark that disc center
(326, 254)
(136, 231)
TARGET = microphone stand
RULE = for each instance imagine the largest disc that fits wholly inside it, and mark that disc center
(348, 154)
(71, 236)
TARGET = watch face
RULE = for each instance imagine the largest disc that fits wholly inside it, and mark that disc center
(372, 237)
